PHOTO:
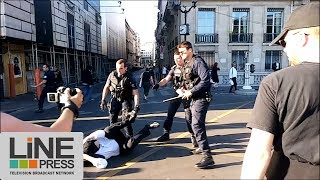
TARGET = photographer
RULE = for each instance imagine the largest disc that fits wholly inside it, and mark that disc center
(64, 123)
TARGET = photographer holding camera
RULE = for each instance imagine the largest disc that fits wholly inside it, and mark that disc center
(64, 123)
(123, 88)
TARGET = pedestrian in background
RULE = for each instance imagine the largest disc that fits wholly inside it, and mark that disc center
(197, 88)
(164, 71)
(152, 74)
(233, 73)
(214, 74)
(58, 81)
(49, 81)
(284, 142)
(87, 81)
(146, 82)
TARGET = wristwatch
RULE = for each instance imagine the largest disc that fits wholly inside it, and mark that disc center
(73, 107)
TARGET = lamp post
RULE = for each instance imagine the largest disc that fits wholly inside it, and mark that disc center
(185, 12)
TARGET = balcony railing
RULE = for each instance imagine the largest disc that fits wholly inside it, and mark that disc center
(240, 37)
(268, 37)
(207, 38)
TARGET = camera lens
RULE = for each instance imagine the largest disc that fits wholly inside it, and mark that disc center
(52, 97)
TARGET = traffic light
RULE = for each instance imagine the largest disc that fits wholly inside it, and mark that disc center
(252, 68)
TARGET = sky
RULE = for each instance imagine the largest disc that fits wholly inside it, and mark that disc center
(142, 17)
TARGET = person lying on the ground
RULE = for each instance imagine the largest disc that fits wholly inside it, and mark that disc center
(64, 123)
(103, 144)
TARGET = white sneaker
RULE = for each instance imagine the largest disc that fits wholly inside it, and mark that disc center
(100, 163)
(154, 125)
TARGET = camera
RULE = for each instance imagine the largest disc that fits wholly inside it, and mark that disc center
(58, 96)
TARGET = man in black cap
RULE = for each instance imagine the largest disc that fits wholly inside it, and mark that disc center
(284, 142)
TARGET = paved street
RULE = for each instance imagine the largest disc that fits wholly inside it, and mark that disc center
(228, 137)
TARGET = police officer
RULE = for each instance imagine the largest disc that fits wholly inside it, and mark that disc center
(176, 75)
(123, 90)
(49, 81)
(197, 88)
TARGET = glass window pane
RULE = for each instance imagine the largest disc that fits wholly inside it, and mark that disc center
(201, 14)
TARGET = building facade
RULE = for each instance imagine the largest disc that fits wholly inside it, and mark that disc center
(131, 43)
(225, 32)
(63, 33)
(113, 33)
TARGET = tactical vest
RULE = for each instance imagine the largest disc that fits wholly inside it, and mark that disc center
(122, 89)
(190, 79)
(177, 77)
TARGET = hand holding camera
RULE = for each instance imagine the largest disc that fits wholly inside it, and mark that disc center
(70, 98)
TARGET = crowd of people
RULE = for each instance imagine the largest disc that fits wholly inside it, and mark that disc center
(284, 141)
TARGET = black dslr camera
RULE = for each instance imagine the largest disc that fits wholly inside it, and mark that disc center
(58, 96)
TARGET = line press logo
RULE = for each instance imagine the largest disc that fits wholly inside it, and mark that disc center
(42, 154)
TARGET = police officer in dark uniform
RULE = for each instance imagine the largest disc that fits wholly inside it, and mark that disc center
(197, 88)
(49, 81)
(123, 88)
(176, 75)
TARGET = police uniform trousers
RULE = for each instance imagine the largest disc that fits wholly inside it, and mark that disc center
(199, 108)
(45, 90)
(173, 108)
(115, 107)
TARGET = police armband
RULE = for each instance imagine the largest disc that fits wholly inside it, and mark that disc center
(73, 107)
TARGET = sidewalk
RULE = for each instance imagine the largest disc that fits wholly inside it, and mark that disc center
(26, 102)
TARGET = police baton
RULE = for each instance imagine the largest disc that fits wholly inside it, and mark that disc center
(170, 99)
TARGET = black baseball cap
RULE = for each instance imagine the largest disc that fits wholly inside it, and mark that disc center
(302, 17)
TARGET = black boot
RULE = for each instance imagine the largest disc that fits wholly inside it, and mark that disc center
(206, 162)
(194, 141)
(164, 137)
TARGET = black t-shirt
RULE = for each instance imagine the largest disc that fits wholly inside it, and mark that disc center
(287, 106)
(146, 76)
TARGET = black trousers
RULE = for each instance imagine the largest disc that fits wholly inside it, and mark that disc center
(172, 110)
(126, 144)
(114, 110)
(199, 108)
(234, 79)
(45, 90)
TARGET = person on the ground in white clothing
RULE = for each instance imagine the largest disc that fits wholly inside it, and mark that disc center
(103, 144)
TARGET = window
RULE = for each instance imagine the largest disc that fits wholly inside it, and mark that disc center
(71, 39)
(240, 58)
(87, 37)
(240, 19)
(85, 4)
(240, 26)
(206, 19)
(208, 57)
(274, 23)
(272, 57)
